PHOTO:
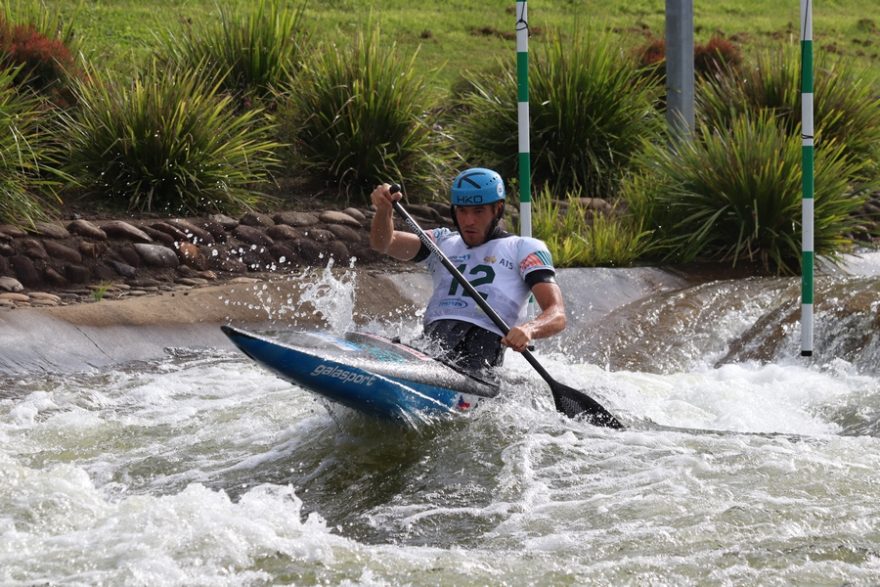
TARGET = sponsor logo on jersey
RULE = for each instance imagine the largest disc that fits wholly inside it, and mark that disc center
(490, 259)
(453, 303)
(343, 374)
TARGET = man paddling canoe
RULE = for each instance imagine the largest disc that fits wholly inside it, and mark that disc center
(504, 268)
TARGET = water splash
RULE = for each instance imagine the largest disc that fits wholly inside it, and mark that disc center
(324, 297)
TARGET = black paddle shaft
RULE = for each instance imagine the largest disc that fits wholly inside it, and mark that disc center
(568, 400)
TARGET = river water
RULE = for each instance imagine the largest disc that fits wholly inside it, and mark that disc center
(741, 464)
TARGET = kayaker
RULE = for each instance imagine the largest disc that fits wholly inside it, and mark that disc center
(504, 268)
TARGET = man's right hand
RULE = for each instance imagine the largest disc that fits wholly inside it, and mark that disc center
(382, 197)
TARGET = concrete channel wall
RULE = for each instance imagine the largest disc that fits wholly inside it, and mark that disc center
(113, 332)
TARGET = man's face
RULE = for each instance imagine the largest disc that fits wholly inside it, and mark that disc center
(474, 222)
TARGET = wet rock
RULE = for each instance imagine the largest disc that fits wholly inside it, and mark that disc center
(320, 235)
(345, 233)
(441, 208)
(54, 278)
(157, 255)
(227, 264)
(257, 258)
(223, 220)
(356, 214)
(296, 218)
(15, 297)
(9, 284)
(6, 250)
(251, 235)
(336, 217)
(4, 266)
(5, 238)
(123, 269)
(216, 230)
(77, 273)
(338, 250)
(207, 275)
(12, 231)
(308, 250)
(159, 237)
(124, 230)
(283, 253)
(92, 250)
(41, 298)
(192, 281)
(103, 273)
(60, 251)
(50, 230)
(33, 248)
(257, 219)
(127, 254)
(25, 271)
(86, 229)
(283, 232)
(190, 254)
(171, 230)
(192, 232)
(146, 283)
(423, 212)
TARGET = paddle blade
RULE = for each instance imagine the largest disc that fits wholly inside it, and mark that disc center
(577, 404)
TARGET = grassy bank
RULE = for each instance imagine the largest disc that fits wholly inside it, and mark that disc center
(455, 35)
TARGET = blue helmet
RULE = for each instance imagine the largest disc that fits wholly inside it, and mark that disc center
(477, 186)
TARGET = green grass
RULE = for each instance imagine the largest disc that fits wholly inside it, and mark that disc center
(462, 34)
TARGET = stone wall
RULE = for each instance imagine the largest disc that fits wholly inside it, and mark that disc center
(80, 259)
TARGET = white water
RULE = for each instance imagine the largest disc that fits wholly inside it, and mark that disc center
(205, 470)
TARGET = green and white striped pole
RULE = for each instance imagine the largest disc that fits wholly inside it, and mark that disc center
(807, 259)
(522, 116)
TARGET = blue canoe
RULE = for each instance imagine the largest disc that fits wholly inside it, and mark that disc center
(364, 372)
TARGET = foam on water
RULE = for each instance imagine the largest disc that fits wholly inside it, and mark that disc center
(205, 469)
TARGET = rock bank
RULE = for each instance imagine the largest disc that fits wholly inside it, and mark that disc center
(80, 260)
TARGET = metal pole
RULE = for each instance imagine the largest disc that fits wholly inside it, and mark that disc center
(680, 66)
(807, 154)
(522, 114)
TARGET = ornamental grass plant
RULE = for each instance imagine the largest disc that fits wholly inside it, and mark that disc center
(733, 194)
(847, 104)
(580, 237)
(168, 141)
(249, 51)
(590, 108)
(357, 115)
(29, 156)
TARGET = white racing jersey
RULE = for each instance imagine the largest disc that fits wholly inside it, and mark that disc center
(497, 270)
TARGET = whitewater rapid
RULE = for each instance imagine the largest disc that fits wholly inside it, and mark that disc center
(199, 468)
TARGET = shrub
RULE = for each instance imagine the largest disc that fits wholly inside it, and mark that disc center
(717, 55)
(580, 237)
(28, 158)
(590, 111)
(168, 142)
(735, 194)
(42, 46)
(847, 107)
(357, 115)
(252, 52)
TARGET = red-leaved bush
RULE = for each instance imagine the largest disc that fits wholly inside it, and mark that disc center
(709, 59)
(45, 63)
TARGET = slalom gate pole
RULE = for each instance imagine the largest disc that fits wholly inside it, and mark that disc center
(522, 115)
(807, 201)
